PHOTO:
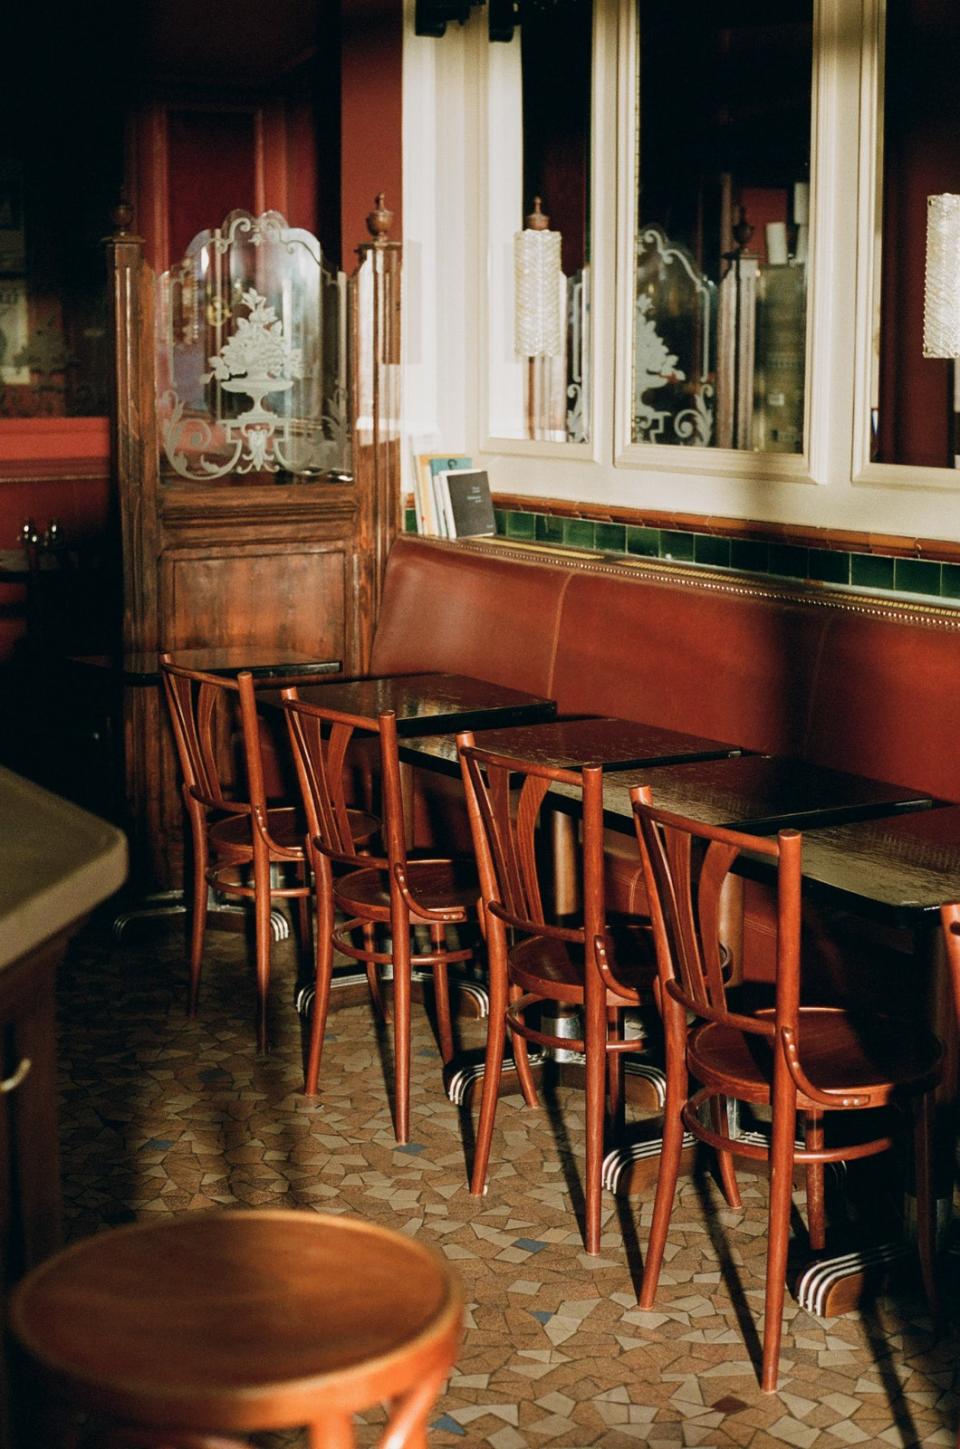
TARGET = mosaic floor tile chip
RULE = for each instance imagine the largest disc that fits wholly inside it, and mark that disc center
(163, 1114)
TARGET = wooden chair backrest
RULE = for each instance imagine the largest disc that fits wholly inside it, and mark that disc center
(686, 864)
(321, 739)
(196, 703)
(205, 710)
(506, 803)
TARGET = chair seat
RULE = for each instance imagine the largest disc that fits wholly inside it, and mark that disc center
(230, 838)
(363, 827)
(554, 968)
(839, 1052)
(445, 885)
(240, 1320)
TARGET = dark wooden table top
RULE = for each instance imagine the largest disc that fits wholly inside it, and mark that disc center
(142, 668)
(900, 869)
(760, 793)
(427, 703)
(569, 742)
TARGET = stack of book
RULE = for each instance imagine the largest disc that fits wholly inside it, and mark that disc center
(452, 498)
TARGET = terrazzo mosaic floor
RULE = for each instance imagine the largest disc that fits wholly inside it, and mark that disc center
(164, 1115)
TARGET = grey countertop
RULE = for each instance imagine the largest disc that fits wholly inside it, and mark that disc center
(56, 863)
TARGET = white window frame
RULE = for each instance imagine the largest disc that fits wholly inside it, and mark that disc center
(449, 126)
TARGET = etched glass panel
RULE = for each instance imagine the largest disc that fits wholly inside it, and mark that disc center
(674, 345)
(252, 365)
(722, 224)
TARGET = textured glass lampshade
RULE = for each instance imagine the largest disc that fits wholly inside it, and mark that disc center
(941, 303)
(536, 270)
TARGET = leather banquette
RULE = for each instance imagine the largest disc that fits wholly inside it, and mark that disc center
(843, 680)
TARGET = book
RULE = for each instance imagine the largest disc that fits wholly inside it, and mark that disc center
(444, 464)
(429, 519)
(467, 504)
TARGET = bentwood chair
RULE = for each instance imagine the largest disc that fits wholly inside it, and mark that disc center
(237, 838)
(950, 918)
(165, 1334)
(801, 1060)
(536, 959)
(381, 899)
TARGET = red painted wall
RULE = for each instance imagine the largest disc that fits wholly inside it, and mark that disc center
(371, 142)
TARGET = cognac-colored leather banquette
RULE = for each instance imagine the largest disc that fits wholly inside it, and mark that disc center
(842, 679)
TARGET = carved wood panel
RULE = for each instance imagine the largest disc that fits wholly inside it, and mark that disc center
(271, 596)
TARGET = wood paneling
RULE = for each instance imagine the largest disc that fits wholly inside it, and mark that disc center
(219, 595)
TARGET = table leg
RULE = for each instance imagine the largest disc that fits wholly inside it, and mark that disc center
(161, 905)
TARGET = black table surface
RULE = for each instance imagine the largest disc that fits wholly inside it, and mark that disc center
(570, 742)
(427, 703)
(760, 793)
(142, 668)
(900, 869)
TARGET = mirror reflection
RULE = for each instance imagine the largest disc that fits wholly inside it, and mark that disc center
(540, 89)
(916, 400)
(722, 224)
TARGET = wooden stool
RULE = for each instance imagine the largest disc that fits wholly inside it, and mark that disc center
(243, 1321)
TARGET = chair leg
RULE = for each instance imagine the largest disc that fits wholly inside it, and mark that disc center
(521, 1058)
(926, 1206)
(333, 1431)
(441, 996)
(400, 927)
(262, 929)
(615, 1075)
(493, 1060)
(323, 970)
(595, 1043)
(198, 913)
(670, 1150)
(373, 972)
(725, 1164)
(304, 923)
(782, 1146)
(816, 1219)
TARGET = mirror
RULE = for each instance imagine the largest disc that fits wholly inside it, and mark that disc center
(722, 224)
(915, 406)
(539, 146)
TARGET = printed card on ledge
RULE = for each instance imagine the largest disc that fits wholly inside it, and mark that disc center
(468, 506)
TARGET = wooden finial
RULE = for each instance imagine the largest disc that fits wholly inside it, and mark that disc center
(538, 220)
(122, 216)
(743, 231)
(380, 220)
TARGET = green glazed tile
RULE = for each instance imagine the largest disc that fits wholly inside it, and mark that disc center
(549, 528)
(500, 521)
(612, 537)
(675, 545)
(708, 549)
(645, 542)
(410, 520)
(579, 532)
(788, 560)
(750, 554)
(950, 581)
(830, 566)
(871, 571)
(521, 525)
(916, 576)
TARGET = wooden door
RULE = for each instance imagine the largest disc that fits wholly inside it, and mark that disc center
(244, 559)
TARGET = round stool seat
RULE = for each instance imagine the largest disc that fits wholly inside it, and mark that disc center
(241, 1320)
